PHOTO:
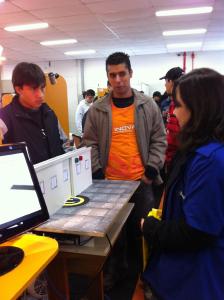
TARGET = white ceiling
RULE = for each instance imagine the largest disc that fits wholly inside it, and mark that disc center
(104, 25)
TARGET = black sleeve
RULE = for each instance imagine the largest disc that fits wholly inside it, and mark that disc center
(175, 236)
(98, 174)
(151, 172)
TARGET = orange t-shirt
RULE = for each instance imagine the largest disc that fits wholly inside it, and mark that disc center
(124, 158)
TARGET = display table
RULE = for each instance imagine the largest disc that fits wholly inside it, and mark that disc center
(102, 218)
(107, 198)
(38, 252)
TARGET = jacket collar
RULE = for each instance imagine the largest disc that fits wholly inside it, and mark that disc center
(207, 150)
(180, 160)
(104, 102)
(178, 165)
(20, 112)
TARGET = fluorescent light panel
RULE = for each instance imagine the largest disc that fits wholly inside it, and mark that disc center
(78, 52)
(214, 46)
(185, 11)
(58, 42)
(184, 45)
(185, 32)
(26, 27)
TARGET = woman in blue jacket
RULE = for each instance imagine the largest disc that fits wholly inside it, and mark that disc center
(187, 246)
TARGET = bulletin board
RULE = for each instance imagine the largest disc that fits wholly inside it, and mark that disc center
(6, 99)
(56, 97)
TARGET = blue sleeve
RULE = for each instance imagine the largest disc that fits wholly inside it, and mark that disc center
(204, 194)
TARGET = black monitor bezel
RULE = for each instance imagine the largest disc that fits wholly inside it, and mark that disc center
(20, 225)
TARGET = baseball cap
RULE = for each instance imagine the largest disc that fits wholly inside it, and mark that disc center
(173, 74)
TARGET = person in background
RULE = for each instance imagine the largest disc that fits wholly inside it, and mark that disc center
(186, 245)
(172, 125)
(156, 96)
(28, 119)
(82, 108)
(164, 106)
(109, 89)
(83, 95)
(127, 136)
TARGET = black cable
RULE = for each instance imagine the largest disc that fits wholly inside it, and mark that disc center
(109, 241)
(54, 289)
(83, 293)
(84, 242)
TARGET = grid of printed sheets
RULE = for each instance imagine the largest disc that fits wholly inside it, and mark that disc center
(64, 176)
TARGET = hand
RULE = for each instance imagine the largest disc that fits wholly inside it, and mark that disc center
(141, 224)
(146, 180)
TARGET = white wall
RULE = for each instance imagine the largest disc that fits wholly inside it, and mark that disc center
(147, 70)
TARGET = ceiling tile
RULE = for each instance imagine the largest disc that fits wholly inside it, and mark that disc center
(39, 4)
(104, 25)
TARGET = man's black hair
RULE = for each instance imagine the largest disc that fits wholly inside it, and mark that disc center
(164, 96)
(156, 94)
(90, 92)
(28, 74)
(118, 58)
(83, 94)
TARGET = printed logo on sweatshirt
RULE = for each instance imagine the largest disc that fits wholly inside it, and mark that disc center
(125, 128)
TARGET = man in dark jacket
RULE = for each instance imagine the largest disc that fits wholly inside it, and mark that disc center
(28, 119)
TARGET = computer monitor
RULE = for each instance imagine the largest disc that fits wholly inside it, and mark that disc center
(22, 205)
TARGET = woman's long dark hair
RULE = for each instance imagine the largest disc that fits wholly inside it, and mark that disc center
(202, 91)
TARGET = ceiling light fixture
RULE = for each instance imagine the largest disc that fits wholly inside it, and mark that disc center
(2, 58)
(26, 27)
(185, 32)
(213, 46)
(185, 11)
(184, 45)
(78, 52)
(58, 42)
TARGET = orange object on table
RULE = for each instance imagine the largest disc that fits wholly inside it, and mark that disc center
(39, 251)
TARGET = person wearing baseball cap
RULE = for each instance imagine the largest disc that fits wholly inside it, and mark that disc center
(173, 74)
(172, 125)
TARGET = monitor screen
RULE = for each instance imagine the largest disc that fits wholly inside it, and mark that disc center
(22, 205)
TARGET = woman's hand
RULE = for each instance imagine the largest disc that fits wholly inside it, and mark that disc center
(142, 222)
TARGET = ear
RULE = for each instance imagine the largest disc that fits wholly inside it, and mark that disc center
(18, 90)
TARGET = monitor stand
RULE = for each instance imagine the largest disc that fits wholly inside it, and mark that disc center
(10, 257)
